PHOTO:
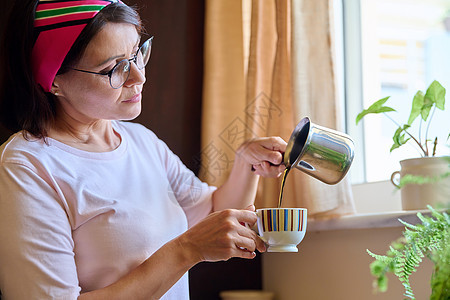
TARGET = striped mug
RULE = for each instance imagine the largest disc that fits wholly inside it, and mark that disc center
(282, 229)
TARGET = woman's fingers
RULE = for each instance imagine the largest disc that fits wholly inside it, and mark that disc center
(222, 236)
(265, 155)
(267, 170)
(247, 247)
(246, 215)
(251, 207)
(274, 143)
(246, 238)
(268, 149)
(249, 240)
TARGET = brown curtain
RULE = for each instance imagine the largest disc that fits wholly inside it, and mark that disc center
(223, 121)
(290, 74)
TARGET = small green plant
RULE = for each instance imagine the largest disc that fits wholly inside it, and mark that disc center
(422, 105)
(431, 239)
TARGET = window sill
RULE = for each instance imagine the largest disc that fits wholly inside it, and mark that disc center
(366, 221)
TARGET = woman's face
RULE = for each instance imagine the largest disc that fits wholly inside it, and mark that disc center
(88, 98)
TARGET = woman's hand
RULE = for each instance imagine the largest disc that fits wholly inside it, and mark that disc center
(221, 236)
(265, 155)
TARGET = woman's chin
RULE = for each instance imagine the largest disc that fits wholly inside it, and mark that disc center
(133, 113)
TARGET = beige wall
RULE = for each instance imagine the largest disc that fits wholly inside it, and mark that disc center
(335, 265)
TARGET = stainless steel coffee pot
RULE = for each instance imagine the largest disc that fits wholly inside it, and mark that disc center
(318, 151)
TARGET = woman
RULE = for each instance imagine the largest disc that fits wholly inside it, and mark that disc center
(91, 206)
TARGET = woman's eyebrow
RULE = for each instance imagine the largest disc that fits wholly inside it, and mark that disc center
(117, 56)
(109, 59)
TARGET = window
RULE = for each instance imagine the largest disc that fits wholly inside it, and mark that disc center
(390, 48)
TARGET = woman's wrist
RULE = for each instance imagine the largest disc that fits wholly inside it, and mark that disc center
(188, 251)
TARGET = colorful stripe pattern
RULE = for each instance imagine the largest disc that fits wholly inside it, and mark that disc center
(58, 13)
(57, 25)
(283, 219)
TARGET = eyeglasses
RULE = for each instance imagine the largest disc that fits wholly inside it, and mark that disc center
(121, 71)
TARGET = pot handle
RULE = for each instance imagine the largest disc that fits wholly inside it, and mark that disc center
(395, 181)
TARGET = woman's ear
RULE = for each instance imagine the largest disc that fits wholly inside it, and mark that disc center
(55, 90)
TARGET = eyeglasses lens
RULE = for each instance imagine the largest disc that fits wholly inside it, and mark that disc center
(143, 54)
(120, 74)
(122, 70)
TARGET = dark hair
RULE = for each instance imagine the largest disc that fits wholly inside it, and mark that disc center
(23, 103)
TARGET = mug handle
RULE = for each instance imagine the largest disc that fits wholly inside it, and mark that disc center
(395, 181)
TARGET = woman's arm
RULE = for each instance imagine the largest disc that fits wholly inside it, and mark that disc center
(150, 280)
(262, 156)
(220, 236)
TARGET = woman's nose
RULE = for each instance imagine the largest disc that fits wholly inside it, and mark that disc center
(136, 77)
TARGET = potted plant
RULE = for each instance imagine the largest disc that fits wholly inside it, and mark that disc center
(430, 238)
(424, 180)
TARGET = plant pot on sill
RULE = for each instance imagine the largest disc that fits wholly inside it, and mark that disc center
(436, 192)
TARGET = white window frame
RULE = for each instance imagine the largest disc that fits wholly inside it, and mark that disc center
(350, 81)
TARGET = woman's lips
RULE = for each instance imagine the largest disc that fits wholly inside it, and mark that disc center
(136, 98)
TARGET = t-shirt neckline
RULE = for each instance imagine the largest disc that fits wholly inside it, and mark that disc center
(93, 155)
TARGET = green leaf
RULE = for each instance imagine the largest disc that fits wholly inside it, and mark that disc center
(399, 138)
(377, 268)
(436, 94)
(416, 106)
(382, 283)
(426, 108)
(375, 108)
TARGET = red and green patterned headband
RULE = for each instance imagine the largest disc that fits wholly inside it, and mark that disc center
(57, 25)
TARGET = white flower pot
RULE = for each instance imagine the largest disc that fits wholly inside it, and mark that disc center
(418, 196)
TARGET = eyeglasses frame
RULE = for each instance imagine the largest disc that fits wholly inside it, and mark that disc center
(130, 60)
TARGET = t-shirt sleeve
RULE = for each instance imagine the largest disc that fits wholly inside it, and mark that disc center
(36, 246)
(193, 195)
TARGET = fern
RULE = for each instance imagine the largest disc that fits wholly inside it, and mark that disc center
(430, 239)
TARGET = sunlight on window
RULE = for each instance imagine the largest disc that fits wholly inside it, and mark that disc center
(405, 45)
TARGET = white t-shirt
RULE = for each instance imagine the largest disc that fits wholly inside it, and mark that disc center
(73, 221)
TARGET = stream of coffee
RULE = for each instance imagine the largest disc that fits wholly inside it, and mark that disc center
(282, 186)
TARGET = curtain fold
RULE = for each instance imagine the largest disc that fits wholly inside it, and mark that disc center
(268, 81)
(315, 95)
(290, 74)
(223, 116)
